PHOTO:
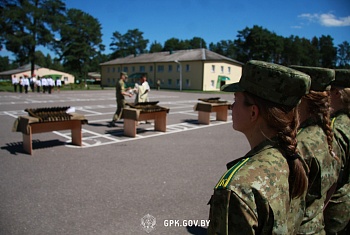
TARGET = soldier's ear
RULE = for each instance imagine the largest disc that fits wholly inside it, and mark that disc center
(254, 112)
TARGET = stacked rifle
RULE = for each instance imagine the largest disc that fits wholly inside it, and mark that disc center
(51, 114)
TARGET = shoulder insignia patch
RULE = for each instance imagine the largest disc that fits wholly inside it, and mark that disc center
(227, 177)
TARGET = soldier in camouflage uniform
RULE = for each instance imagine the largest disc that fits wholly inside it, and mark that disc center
(337, 212)
(120, 92)
(264, 191)
(315, 143)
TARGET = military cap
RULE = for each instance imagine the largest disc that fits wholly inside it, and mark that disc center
(124, 73)
(273, 82)
(321, 78)
(342, 78)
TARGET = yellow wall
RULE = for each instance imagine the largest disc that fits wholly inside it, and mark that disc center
(211, 76)
(196, 75)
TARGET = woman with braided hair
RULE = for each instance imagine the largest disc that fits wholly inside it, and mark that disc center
(264, 191)
(337, 212)
(314, 131)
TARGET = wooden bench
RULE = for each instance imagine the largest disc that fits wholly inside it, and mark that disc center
(31, 125)
(204, 110)
(133, 116)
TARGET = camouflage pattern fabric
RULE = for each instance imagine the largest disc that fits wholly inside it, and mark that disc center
(253, 196)
(321, 78)
(337, 212)
(273, 82)
(323, 173)
(119, 89)
(342, 78)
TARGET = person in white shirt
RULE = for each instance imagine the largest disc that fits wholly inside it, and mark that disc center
(38, 85)
(58, 84)
(50, 84)
(44, 84)
(145, 87)
(25, 84)
(15, 83)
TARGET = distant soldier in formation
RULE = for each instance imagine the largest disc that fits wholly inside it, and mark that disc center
(15, 83)
(38, 85)
(25, 84)
(44, 84)
(58, 84)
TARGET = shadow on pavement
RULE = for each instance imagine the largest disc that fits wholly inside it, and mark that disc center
(17, 147)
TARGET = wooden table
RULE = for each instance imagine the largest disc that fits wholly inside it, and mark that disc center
(133, 116)
(204, 109)
(31, 125)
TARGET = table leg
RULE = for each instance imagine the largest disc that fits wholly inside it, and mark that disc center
(160, 122)
(204, 117)
(130, 127)
(27, 143)
(77, 135)
(221, 114)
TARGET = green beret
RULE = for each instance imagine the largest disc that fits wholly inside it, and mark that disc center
(124, 73)
(342, 78)
(273, 82)
(321, 78)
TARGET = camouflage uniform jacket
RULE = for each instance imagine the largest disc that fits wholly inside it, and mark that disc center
(323, 174)
(119, 89)
(252, 197)
(337, 213)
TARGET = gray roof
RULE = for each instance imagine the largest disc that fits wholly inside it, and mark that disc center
(166, 56)
(24, 68)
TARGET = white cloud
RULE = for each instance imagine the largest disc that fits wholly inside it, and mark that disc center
(328, 20)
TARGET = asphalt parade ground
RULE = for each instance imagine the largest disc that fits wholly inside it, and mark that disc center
(155, 183)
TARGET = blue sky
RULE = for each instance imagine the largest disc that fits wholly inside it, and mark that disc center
(215, 20)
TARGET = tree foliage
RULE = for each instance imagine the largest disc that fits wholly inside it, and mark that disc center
(132, 42)
(80, 42)
(27, 24)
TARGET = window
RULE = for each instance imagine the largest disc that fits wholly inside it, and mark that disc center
(113, 80)
(188, 83)
(222, 69)
(151, 68)
(113, 69)
(142, 69)
(65, 79)
(229, 70)
(187, 67)
(118, 69)
(212, 83)
(160, 68)
(108, 70)
(169, 81)
(170, 68)
(133, 69)
(177, 82)
(125, 69)
(178, 68)
(108, 80)
(213, 68)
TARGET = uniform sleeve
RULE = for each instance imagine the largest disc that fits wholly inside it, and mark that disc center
(230, 214)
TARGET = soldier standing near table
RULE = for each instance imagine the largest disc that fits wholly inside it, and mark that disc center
(120, 93)
(315, 143)
(264, 191)
(337, 212)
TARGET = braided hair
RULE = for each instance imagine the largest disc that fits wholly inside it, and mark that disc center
(285, 121)
(319, 106)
